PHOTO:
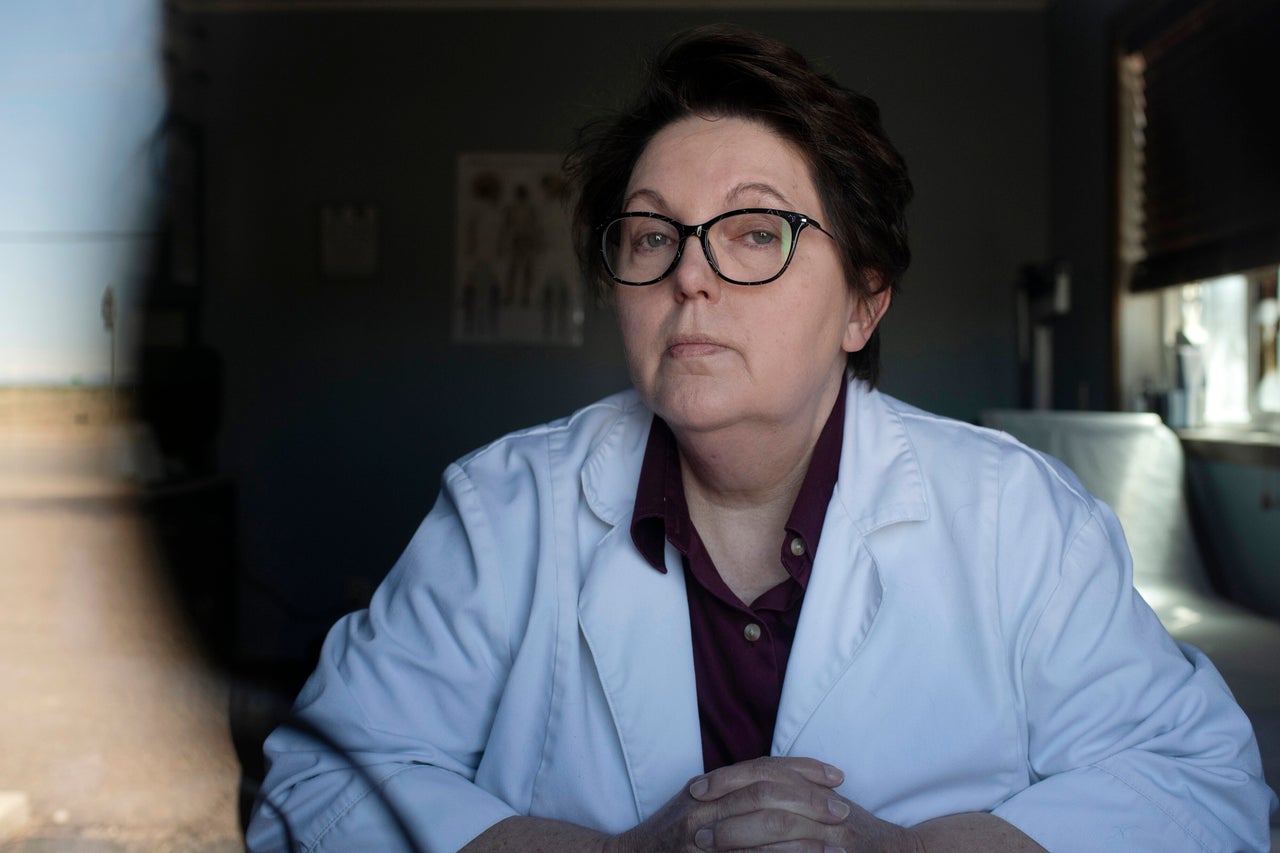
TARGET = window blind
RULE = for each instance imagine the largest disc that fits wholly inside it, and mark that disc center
(1204, 83)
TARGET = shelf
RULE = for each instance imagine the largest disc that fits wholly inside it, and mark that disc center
(1236, 446)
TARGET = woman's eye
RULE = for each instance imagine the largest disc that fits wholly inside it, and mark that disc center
(654, 240)
(753, 230)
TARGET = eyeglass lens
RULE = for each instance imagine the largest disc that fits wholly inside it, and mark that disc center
(745, 247)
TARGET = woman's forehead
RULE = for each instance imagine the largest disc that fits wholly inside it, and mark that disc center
(723, 162)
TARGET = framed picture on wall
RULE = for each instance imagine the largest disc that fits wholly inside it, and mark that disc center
(516, 280)
(348, 240)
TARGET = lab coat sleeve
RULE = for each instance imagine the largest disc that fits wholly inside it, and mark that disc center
(1134, 742)
(392, 725)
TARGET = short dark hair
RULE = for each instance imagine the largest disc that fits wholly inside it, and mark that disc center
(726, 71)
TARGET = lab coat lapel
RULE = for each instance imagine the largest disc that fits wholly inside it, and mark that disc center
(879, 484)
(636, 623)
(635, 620)
(840, 607)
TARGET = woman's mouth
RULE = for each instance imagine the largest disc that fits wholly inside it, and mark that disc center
(694, 346)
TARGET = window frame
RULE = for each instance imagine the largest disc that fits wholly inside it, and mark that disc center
(1144, 356)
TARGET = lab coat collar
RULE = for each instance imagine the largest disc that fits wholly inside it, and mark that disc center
(880, 481)
(612, 470)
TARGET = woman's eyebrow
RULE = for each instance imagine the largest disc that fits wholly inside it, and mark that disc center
(759, 189)
(771, 194)
(653, 196)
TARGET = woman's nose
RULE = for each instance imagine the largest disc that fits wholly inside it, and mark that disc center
(693, 276)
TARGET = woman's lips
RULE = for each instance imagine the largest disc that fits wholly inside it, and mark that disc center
(693, 347)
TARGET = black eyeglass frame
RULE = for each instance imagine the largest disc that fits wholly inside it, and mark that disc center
(797, 221)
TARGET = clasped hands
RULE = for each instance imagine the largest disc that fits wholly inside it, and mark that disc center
(775, 804)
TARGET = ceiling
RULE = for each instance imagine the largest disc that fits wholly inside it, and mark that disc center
(215, 6)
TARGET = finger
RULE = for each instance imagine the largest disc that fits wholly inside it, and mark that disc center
(808, 846)
(800, 797)
(719, 782)
(768, 830)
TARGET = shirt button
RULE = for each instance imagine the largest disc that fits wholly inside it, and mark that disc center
(751, 632)
(797, 547)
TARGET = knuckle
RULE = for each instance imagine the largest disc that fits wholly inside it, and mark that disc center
(778, 824)
(691, 821)
(830, 808)
(764, 791)
(805, 845)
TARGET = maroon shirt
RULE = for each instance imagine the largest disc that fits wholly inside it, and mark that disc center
(740, 650)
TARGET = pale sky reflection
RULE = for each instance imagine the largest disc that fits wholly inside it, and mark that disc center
(81, 96)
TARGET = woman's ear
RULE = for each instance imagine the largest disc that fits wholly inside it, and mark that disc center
(866, 314)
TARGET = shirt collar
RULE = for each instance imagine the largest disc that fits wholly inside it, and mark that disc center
(661, 514)
(660, 504)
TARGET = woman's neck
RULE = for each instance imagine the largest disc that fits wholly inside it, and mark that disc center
(731, 470)
(740, 485)
(750, 466)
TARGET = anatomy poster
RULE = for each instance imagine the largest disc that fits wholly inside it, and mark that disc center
(517, 279)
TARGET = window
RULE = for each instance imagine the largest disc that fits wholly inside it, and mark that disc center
(1198, 210)
(1220, 335)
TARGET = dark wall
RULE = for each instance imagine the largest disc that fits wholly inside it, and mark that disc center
(344, 401)
(1080, 199)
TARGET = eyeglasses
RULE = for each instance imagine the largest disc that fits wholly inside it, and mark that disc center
(749, 246)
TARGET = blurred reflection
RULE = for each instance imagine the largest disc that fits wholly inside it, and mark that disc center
(113, 727)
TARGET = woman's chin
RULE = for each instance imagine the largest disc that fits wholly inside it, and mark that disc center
(698, 409)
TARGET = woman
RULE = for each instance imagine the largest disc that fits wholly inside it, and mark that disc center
(584, 646)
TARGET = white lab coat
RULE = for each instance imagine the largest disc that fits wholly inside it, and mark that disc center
(970, 641)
